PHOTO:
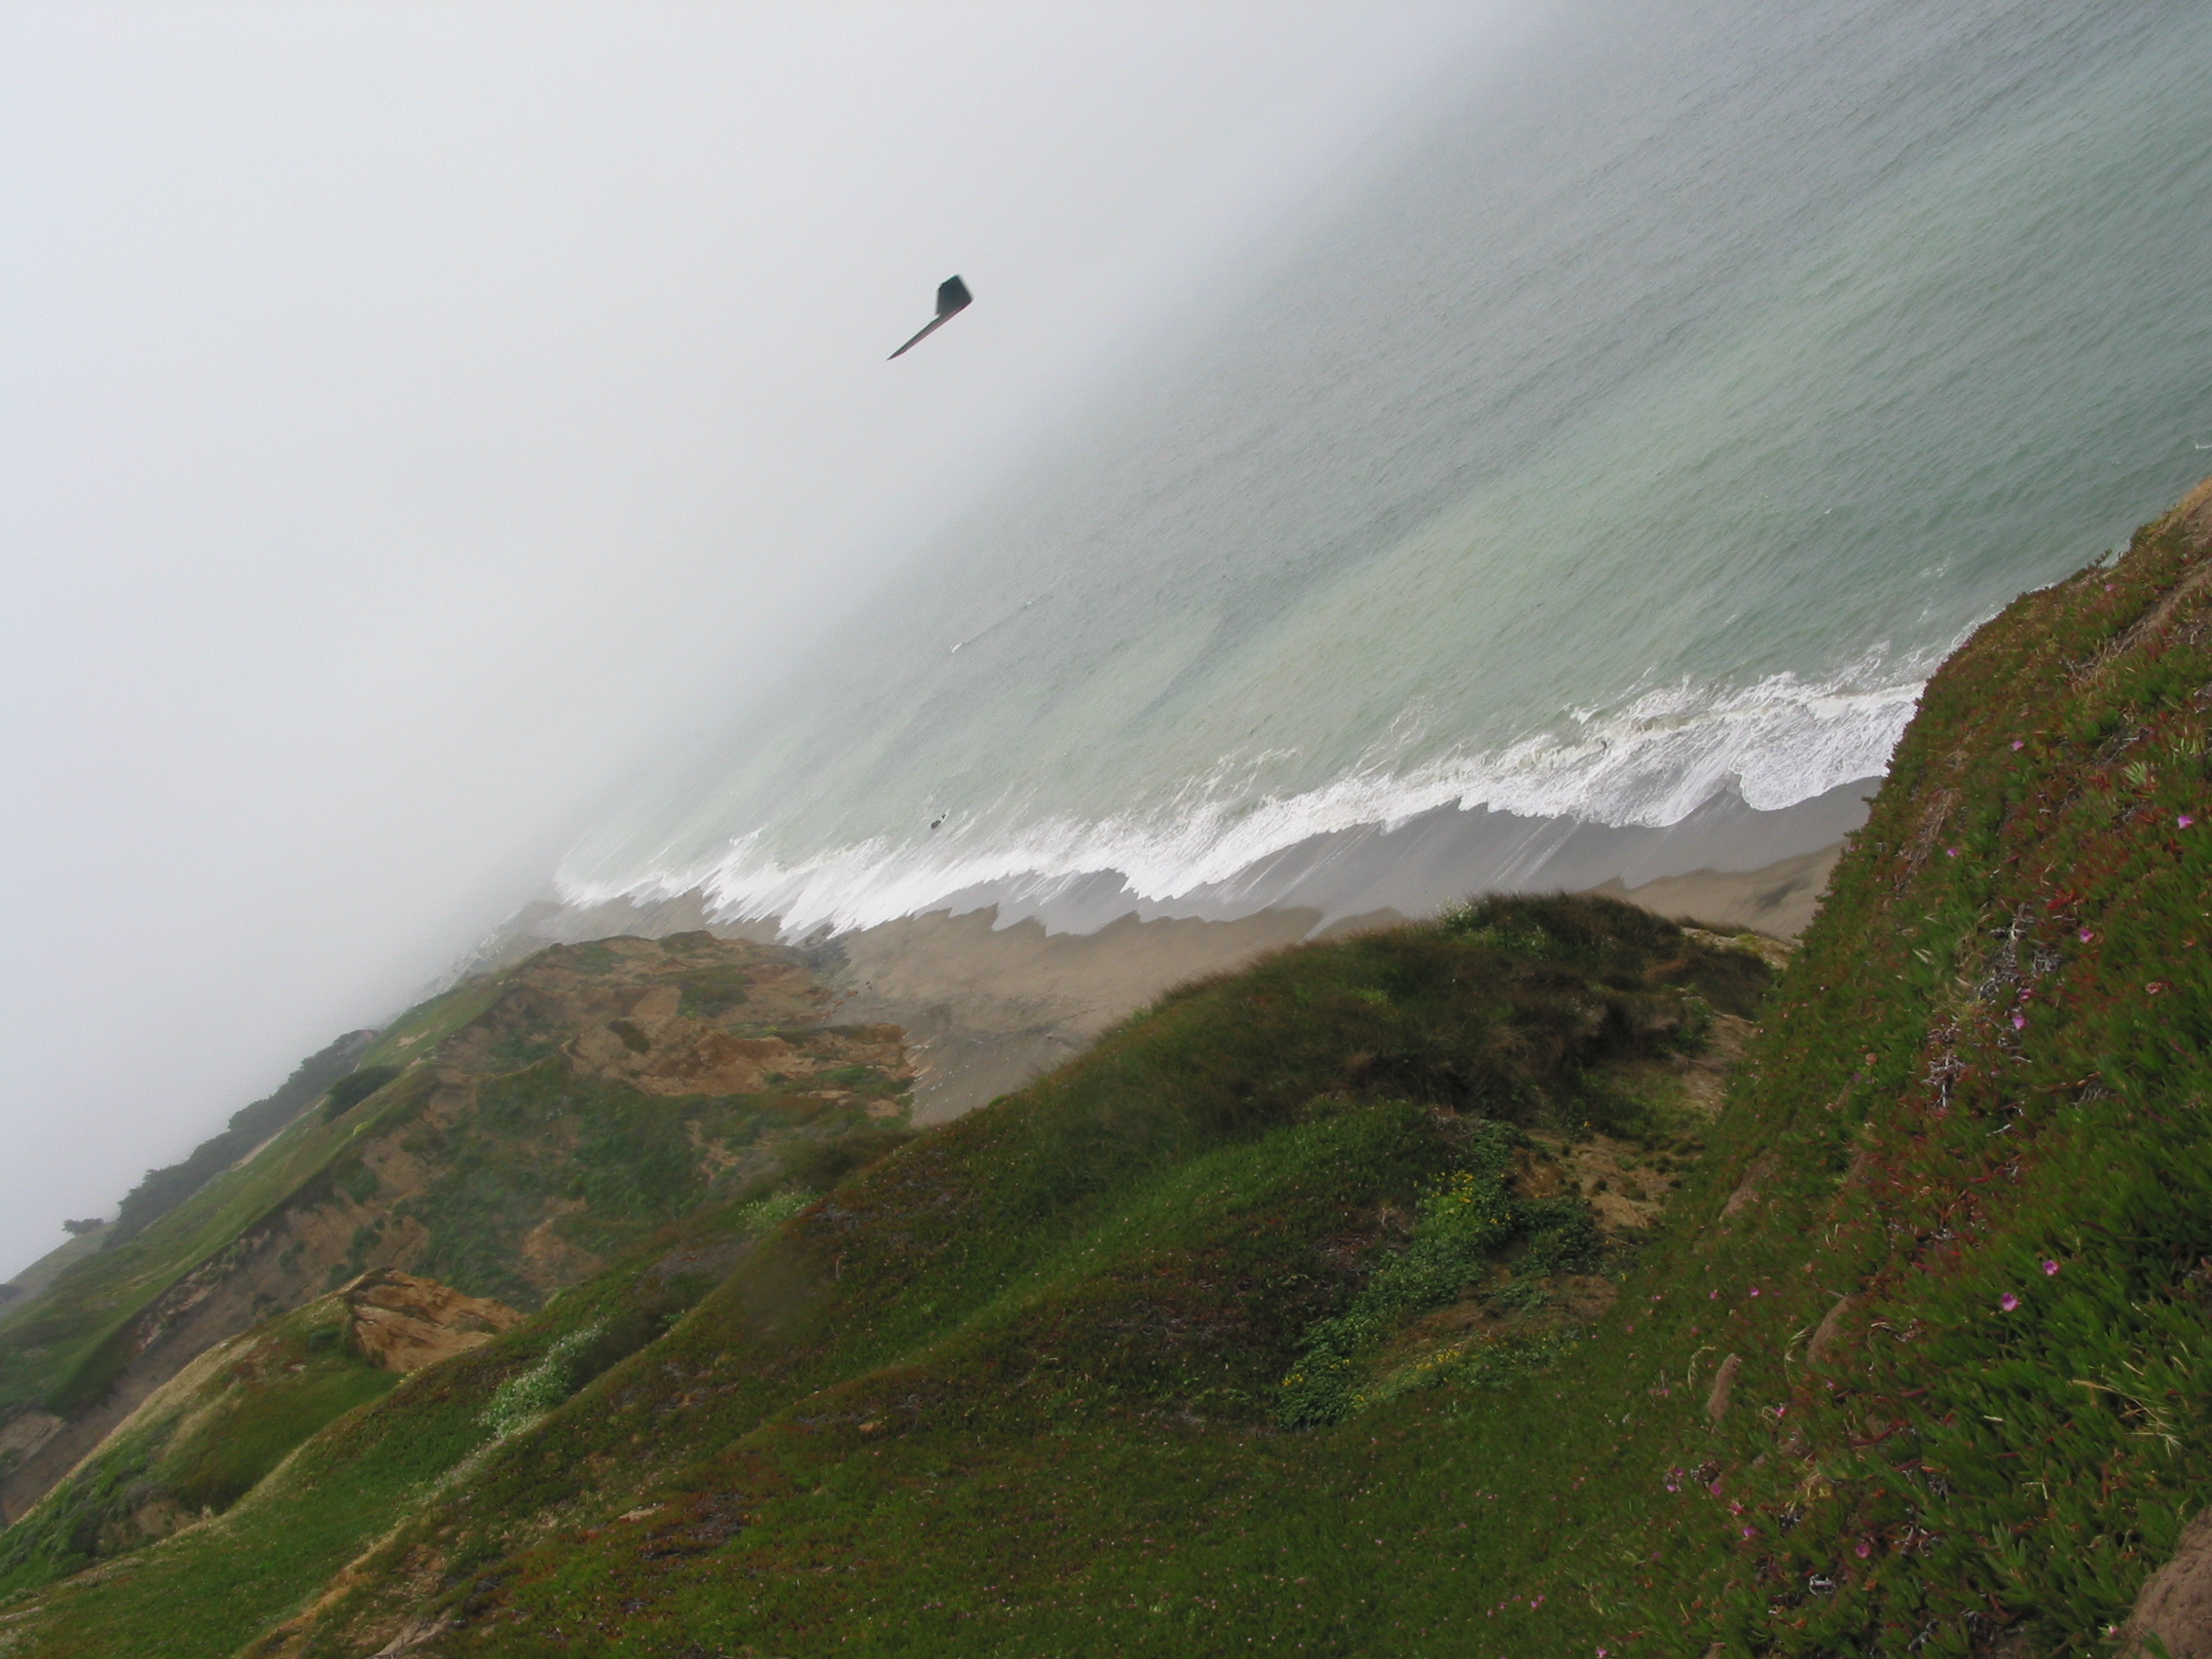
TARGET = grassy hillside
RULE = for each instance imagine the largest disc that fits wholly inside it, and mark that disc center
(163, 1190)
(1331, 1307)
(510, 1138)
(204, 1441)
(1975, 1403)
(209, 1587)
(49, 1353)
(1255, 1208)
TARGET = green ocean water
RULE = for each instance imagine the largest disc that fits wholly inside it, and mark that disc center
(1644, 430)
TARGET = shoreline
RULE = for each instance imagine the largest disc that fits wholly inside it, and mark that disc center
(990, 1003)
(994, 985)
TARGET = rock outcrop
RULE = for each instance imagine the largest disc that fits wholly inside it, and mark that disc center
(2173, 1614)
(525, 1127)
(403, 1322)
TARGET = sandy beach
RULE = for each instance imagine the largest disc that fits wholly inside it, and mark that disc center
(994, 986)
(987, 1006)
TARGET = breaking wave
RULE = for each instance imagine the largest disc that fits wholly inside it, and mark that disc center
(1652, 761)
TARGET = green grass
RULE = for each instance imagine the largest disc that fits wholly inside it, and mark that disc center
(63, 1352)
(1091, 1258)
(226, 1457)
(633, 1160)
(196, 1448)
(208, 1588)
(1016, 1387)
(203, 1591)
(2001, 1021)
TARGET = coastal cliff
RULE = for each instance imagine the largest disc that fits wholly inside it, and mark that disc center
(1549, 1278)
(509, 1138)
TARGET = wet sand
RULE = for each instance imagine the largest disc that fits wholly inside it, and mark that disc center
(986, 1007)
(1779, 900)
(989, 1007)
(997, 984)
(990, 1002)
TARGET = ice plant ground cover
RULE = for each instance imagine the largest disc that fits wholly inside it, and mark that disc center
(1983, 1367)
(1101, 1283)
(1917, 1362)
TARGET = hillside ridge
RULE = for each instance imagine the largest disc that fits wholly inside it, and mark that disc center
(1449, 1289)
(486, 1139)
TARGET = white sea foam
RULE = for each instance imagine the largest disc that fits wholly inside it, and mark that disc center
(1652, 761)
(1900, 398)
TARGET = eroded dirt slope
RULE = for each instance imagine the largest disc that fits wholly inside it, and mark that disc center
(519, 1133)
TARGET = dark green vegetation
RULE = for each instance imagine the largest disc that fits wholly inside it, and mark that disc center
(349, 1091)
(164, 1188)
(62, 1351)
(1920, 1361)
(708, 995)
(503, 1137)
(202, 1444)
(612, 1164)
(1131, 1255)
(1463, 1223)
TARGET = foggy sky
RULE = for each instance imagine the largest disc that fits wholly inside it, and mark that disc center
(415, 418)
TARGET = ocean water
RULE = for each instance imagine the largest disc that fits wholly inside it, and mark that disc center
(1643, 431)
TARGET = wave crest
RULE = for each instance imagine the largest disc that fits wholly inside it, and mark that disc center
(1650, 762)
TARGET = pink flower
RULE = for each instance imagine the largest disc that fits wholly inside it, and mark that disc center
(2018, 744)
(2020, 1022)
(1950, 852)
(2185, 821)
(2008, 1301)
(2049, 1267)
(1747, 1532)
(1754, 1290)
(2084, 936)
(1865, 1550)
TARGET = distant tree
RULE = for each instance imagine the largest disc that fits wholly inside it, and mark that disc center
(349, 1093)
(163, 1190)
(77, 1229)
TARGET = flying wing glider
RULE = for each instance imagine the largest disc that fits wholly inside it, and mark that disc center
(952, 298)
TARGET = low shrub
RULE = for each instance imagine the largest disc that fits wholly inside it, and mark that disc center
(351, 1090)
(1465, 1223)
